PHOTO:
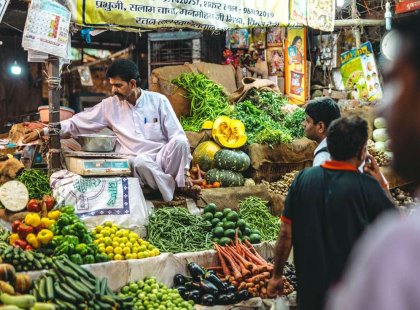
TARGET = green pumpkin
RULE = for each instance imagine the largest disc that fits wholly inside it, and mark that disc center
(203, 155)
(232, 160)
(226, 178)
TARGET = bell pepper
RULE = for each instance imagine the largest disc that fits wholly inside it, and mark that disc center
(71, 240)
(63, 221)
(81, 248)
(28, 247)
(33, 219)
(45, 236)
(57, 240)
(67, 209)
(63, 248)
(33, 241)
(20, 244)
(24, 230)
(87, 238)
(54, 215)
(13, 238)
(15, 225)
(77, 259)
(49, 201)
(46, 222)
(101, 258)
(33, 205)
(89, 259)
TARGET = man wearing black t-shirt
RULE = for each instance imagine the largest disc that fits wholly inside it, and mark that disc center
(326, 211)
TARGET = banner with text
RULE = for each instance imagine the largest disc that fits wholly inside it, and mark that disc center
(195, 14)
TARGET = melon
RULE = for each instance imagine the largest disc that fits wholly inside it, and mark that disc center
(203, 155)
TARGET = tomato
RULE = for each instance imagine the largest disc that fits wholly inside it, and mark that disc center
(33, 205)
(49, 201)
(216, 184)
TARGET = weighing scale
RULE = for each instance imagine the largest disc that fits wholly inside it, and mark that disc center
(97, 164)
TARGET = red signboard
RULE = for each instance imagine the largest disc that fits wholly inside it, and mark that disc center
(407, 6)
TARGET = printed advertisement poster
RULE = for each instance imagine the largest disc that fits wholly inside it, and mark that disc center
(298, 9)
(275, 36)
(237, 38)
(295, 51)
(275, 61)
(321, 14)
(360, 74)
(257, 39)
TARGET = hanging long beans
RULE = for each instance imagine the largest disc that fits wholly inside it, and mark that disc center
(177, 230)
(207, 100)
(36, 182)
(254, 211)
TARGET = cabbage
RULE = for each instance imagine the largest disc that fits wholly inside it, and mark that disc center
(380, 135)
(380, 146)
(388, 145)
(379, 122)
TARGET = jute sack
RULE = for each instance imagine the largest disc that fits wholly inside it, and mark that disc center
(249, 83)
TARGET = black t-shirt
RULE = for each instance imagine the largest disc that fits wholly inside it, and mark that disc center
(328, 207)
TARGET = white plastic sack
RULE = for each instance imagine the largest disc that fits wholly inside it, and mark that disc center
(96, 200)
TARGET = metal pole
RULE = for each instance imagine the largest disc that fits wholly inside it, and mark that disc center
(54, 162)
(354, 15)
(358, 22)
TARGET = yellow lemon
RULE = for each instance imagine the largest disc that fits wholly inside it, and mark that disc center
(118, 257)
(142, 248)
(105, 232)
(99, 236)
(150, 247)
(119, 233)
(107, 241)
(133, 235)
(102, 249)
(109, 249)
(141, 255)
(98, 229)
(96, 241)
(108, 224)
(147, 254)
(134, 249)
(124, 240)
(129, 244)
(155, 252)
(126, 250)
(126, 233)
(122, 245)
(128, 256)
(115, 244)
(132, 240)
(118, 250)
(133, 255)
(111, 256)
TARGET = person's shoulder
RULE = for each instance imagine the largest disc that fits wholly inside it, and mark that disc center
(109, 100)
(368, 180)
(155, 95)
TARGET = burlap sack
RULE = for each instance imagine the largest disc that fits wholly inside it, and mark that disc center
(249, 83)
(223, 75)
(195, 138)
(300, 150)
(367, 112)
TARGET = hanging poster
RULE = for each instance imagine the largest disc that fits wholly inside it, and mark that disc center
(257, 39)
(321, 14)
(360, 74)
(237, 38)
(275, 36)
(275, 56)
(298, 12)
(295, 50)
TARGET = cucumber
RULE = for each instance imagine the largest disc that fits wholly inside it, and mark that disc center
(108, 299)
(98, 287)
(63, 295)
(79, 270)
(49, 288)
(68, 289)
(43, 306)
(103, 305)
(66, 305)
(79, 287)
(42, 289)
(66, 270)
(87, 284)
(104, 285)
(21, 301)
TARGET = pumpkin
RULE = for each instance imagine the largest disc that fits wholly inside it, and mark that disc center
(229, 132)
(232, 160)
(207, 125)
(7, 273)
(5, 287)
(226, 178)
(23, 283)
(203, 155)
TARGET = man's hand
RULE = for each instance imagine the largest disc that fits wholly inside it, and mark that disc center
(275, 286)
(32, 135)
(372, 168)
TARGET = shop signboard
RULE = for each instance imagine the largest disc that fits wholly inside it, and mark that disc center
(407, 6)
(295, 51)
(360, 73)
(195, 14)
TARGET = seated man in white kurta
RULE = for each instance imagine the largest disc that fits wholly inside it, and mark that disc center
(146, 127)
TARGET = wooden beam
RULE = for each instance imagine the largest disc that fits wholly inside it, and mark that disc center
(358, 22)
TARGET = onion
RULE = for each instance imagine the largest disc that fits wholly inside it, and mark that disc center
(380, 146)
(379, 122)
(380, 135)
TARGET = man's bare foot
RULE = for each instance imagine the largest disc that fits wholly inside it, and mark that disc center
(190, 191)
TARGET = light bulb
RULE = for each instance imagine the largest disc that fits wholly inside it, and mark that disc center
(16, 69)
(340, 3)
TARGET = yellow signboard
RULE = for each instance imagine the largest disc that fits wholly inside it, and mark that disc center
(195, 14)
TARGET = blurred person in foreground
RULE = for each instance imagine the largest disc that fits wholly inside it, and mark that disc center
(327, 209)
(384, 269)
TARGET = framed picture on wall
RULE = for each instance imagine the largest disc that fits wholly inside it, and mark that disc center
(275, 36)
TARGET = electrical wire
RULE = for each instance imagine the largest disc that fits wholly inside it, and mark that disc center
(13, 27)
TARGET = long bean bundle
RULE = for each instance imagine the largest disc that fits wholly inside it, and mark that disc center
(177, 230)
(255, 212)
(207, 100)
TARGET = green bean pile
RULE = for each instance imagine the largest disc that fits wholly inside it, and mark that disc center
(254, 211)
(207, 100)
(177, 230)
(36, 182)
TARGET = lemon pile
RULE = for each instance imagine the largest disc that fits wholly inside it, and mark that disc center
(121, 244)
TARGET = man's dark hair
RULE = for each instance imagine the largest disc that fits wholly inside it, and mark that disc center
(346, 137)
(125, 69)
(409, 29)
(323, 110)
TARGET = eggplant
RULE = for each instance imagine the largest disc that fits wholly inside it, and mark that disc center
(182, 290)
(208, 300)
(208, 288)
(231, 298)
(230, 289)
(243, 295)
(196, 271)
(195, 286)
(222, 299)
(179, 280)
(216, 281)
(194, 295)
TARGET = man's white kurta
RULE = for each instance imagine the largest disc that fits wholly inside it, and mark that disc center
(149, 132)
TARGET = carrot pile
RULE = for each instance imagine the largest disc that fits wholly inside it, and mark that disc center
(197, 178)
(244, 268)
